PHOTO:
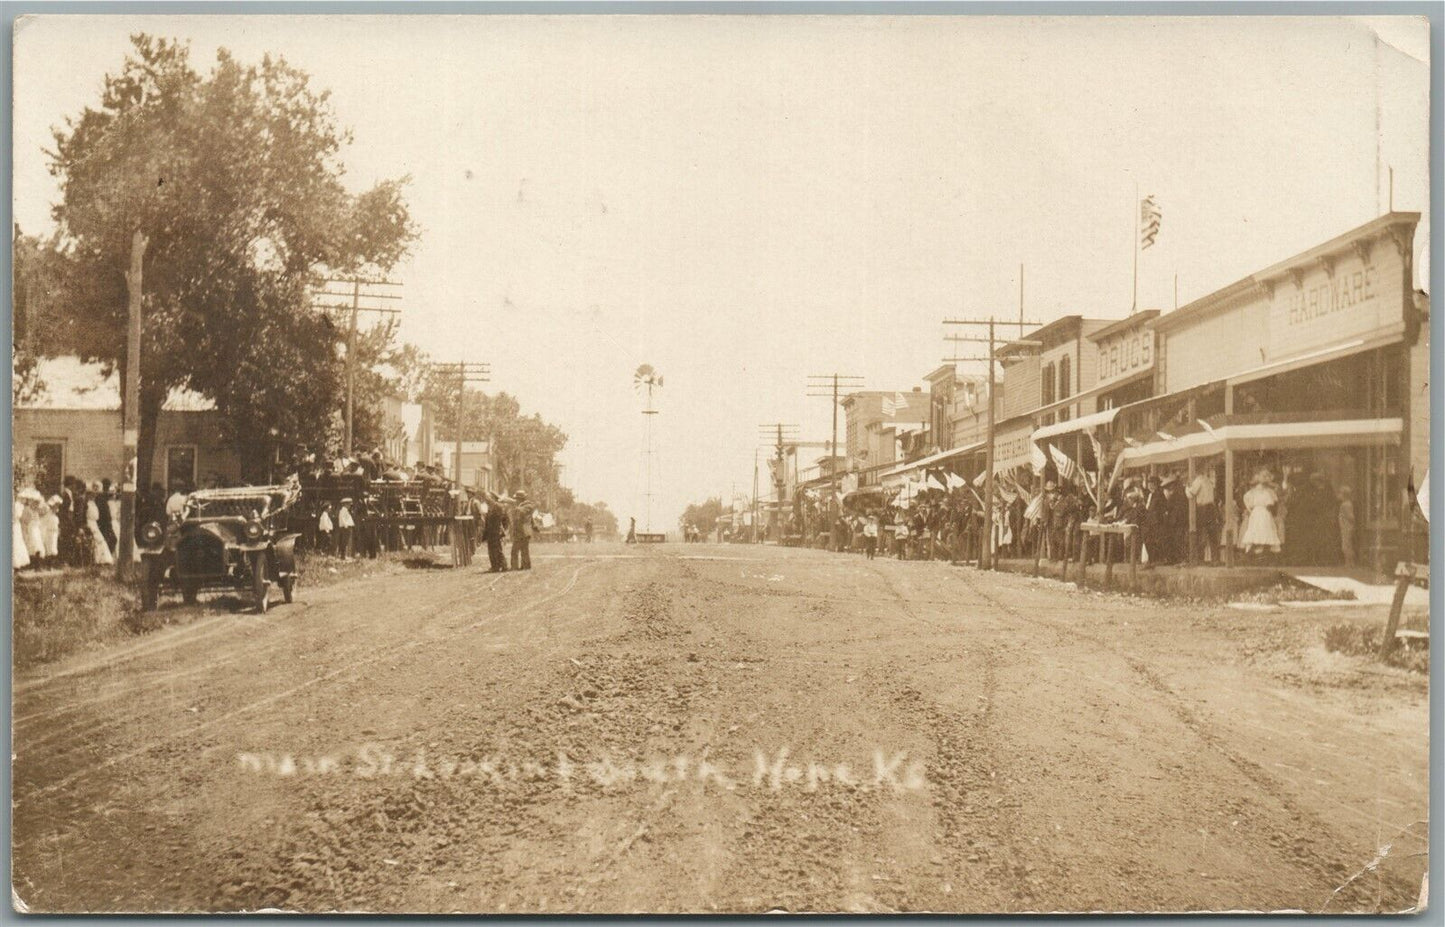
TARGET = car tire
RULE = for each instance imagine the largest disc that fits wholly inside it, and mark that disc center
(260, 588)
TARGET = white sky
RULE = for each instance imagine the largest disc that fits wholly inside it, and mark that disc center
(743, 201)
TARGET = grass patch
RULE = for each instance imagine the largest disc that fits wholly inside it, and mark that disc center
(1363, 640)
(60, 612)
(1294, 591)
(57, 613)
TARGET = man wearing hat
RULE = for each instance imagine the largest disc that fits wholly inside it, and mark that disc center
(494, 529)
(521, 518)
(344, 525)
(1156, 520)
(1176, 519)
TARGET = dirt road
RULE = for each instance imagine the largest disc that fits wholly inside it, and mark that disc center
(717, 728)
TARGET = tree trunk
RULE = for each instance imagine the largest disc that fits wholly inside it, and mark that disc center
(152, 398)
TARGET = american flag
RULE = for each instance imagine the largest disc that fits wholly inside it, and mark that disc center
(1065, 463)
(1149, 216)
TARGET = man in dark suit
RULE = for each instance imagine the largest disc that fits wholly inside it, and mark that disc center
(494, 528)
(521, 518)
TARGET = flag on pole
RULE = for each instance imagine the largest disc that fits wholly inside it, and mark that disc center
(1065, 463)
(934, 482)
(1037, 458)
(955, 481)
(982, 475)
(1149, 216)
(1118, 470)
(888, 407)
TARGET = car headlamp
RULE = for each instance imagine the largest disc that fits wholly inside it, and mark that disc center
(151, 534)
(253, 530)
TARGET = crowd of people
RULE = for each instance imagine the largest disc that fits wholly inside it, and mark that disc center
(73, 527)
(331, 525)
(78, 526)
(1302, 521)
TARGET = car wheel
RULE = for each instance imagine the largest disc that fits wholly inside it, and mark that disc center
(150, 590)
(288, 588)
(190, 591)
(260, 588)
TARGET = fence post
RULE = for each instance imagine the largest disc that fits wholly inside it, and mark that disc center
(1133, 558)
(1404, 573)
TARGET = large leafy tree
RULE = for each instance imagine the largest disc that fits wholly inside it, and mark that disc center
(234, 179)
(704, 515)
(524, 447)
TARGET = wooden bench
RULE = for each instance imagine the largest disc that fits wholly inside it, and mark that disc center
(650, 538)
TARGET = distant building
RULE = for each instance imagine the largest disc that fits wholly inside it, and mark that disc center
(876, 420)
(409, 432)
(73, 428)
(478, 468)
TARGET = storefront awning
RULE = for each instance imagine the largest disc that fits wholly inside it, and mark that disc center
(1323, 356)
(1000, 464)
(931, 460)
(1082, 423)
(1259, 436)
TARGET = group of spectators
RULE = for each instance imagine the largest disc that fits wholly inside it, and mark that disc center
(346, 525)
(73, 527)
(1305, 521)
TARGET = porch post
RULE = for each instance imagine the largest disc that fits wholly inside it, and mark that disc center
(1231, 536)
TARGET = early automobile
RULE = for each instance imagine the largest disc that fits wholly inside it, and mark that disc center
(235, 539)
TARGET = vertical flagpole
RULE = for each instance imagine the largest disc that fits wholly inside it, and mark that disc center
(1134, 307)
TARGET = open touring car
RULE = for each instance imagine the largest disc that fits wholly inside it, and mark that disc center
(236, 539)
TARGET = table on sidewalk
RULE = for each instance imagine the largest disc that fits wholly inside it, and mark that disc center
(1106, 533)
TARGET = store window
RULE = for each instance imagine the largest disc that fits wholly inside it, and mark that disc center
(49, 466)
(1046, 384)
(180, 467)
(1065, 382)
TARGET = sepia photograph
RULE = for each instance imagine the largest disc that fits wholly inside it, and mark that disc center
(761, 462)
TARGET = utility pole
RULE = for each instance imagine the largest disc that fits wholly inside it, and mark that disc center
(986, 549)
(828, 385)
(467, 373)
(778, 431)
(354, 310)
(130, 424)
(755, 495)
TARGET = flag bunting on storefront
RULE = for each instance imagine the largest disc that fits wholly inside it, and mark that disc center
(1065, 463)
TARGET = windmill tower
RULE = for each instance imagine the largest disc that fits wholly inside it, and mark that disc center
(646, 377)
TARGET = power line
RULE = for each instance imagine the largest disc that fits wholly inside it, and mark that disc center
(986, 554)
(827, 385)
(355, 309)
(466, 373)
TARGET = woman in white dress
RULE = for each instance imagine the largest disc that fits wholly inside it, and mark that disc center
(1260, 529)
(32, 508)
(100, 551)
(50, 528)
(19, 555)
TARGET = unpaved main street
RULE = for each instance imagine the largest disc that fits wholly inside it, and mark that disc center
(718, 728)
